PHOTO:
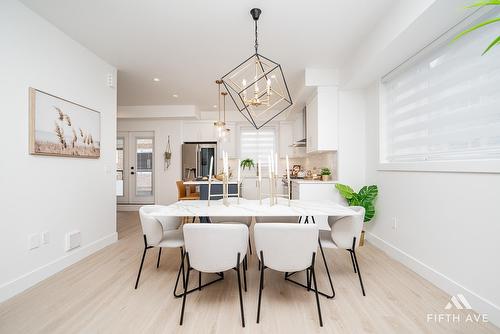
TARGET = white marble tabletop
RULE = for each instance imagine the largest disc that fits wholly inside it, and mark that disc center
(252, 208)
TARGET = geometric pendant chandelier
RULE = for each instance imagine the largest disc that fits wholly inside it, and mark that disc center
(257, 86)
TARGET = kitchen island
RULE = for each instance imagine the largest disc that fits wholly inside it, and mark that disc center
(216, 188)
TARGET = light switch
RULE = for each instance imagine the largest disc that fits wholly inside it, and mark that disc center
(33, 241)
(45, 237)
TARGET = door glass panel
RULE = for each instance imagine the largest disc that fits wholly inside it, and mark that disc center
(144, 171)
(119, 166)
(206, 153)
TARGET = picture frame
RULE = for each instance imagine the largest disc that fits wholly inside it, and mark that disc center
(59, 127)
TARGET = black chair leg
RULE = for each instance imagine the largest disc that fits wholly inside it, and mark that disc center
(245, 273)
(142, 261)
(185, 290)
(359, 273)
(239, 290)
(159, 255)
(316, 292)
(327, 270)
(261, 285)
(181, 270)
(192, 222)
(352, 260)
(199, 280)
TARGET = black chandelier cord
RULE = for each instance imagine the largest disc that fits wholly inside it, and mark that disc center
(219, 100)
(256, 41)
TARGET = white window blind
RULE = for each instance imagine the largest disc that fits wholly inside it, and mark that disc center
(257, 144)
(446, 105)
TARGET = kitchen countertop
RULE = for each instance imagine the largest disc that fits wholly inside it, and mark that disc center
(206, 182)
(302, 181)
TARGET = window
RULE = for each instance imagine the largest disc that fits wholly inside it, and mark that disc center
(446, 105)
(257, 144)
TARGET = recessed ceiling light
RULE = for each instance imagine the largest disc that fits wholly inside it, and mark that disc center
(215, 106)
(156, 79)
(175, 95)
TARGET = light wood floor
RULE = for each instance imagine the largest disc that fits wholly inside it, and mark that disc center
(96, 295)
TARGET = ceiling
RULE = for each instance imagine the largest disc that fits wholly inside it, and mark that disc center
(189, 44)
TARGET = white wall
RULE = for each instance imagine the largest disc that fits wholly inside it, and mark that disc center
(164, 181)
(448, 224)
(51, 194)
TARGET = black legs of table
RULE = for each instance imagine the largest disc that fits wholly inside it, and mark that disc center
(311, 274)
(146, 247)
(355, 264)
(186, 291)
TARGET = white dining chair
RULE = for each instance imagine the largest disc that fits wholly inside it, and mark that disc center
(215, 248)
(234, 220)
(345, 234)
(287, 248)
(161, 234)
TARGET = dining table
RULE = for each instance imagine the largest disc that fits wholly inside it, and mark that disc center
(253, 208)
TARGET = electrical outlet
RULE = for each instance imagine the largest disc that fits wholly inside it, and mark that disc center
(45, 237)
(33, 241)
(395, 223)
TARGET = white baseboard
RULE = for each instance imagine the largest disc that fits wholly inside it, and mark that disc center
(479, 304)
(128, 207)
(12, 288)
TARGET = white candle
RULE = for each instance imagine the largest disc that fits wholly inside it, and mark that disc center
(211, 168)
(287, 168)
(239, 168)
(260, 171)
(270, 163)
(276, 163)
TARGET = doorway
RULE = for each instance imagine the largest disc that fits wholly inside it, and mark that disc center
(135, 167)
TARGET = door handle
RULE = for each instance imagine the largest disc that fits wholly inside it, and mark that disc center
(132, 173)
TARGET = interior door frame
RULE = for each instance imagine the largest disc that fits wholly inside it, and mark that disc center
(129, 157)
(125, 176)
(133, 136)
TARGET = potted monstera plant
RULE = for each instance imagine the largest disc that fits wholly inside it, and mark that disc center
(365, 197)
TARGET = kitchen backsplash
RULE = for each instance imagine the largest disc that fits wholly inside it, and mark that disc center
(311, 162)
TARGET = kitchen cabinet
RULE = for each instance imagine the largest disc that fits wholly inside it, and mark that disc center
(196, 131)
(322, 120)
(250, 188)
(290, 133)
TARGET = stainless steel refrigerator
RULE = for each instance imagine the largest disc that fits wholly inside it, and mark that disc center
(196, 159)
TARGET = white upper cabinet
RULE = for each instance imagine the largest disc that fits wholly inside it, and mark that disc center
(194, 131)
(322, 120)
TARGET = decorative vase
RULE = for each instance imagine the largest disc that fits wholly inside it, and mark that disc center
(362, 239)
(325, 177)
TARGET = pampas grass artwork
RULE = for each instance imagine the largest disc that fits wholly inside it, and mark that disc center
(62, 128)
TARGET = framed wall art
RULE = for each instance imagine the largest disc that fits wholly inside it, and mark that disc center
(59, 127)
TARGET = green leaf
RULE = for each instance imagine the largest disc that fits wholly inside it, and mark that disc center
(484, 3)
(495, 42)
(368, 192)
(345, 191)
(369, 210)
(477, 26)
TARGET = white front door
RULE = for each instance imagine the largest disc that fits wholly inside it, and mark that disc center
(135, 168)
